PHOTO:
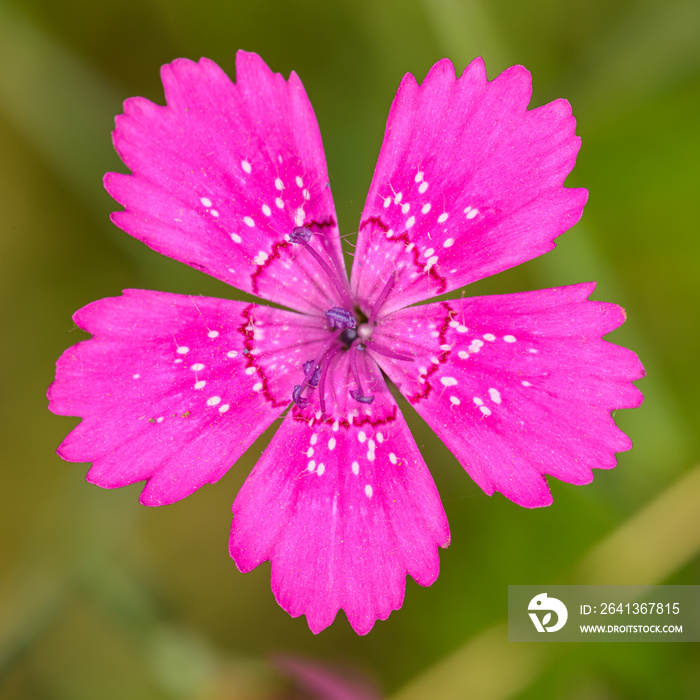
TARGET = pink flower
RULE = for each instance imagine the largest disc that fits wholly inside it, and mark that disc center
(231, 179)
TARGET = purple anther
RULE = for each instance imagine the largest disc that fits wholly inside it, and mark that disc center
(340, 318)
(358, 396)
(314, 379)
(300, 234)
(297, 397)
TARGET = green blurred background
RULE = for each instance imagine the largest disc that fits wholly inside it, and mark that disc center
(103, 598)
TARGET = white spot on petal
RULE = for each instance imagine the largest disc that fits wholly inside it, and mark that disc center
(526, 384)
(232, 353)
(236, 238)
(431, 261)
(321, 469)
(200, 384)
(368, 491)
(248, 221)
(299, 181)
(448, 243)
(213, 401)
(279, 203)
(279, 184)
(355, 468)
(423, 187)
(448, 381)
(392, 458)
(331, 444)
(426, 208)
(495, 395)
(419, 176)
(486, 411)
(509, 338)
(361, 436)
(478, 401)
(205, 201)
(257, 387)
(197, 367)
(182, 350)
(266, 210)
(213, 334)
(224, 408)
(387, 202)
(471, 214)
(489, 336)
(443, 217)
(410, 221)
(454, 400)
(246, 166)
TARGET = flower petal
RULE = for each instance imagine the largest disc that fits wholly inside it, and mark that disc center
(223, 173)
(468, 183)
(173, 389)
(518, 386)
(343, 509)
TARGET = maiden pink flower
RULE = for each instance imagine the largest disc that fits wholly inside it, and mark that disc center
(231, 179)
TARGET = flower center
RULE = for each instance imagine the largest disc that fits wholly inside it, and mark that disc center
(351, 332)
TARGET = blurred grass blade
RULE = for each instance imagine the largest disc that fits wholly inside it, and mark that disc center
(485, 668)
(651, 545)
(64, 109)
(646, 549)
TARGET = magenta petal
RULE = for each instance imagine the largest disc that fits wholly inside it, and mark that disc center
(468, 183)
(223, 173)
(518, 386)
(343, 511)
(173, 389)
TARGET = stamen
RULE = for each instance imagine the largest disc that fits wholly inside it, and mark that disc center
(315, 376)
(302, 236)
(384, 350)
(297, 397)
(322, 385)
(382, 298)
(340, 318)
(357, 394)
